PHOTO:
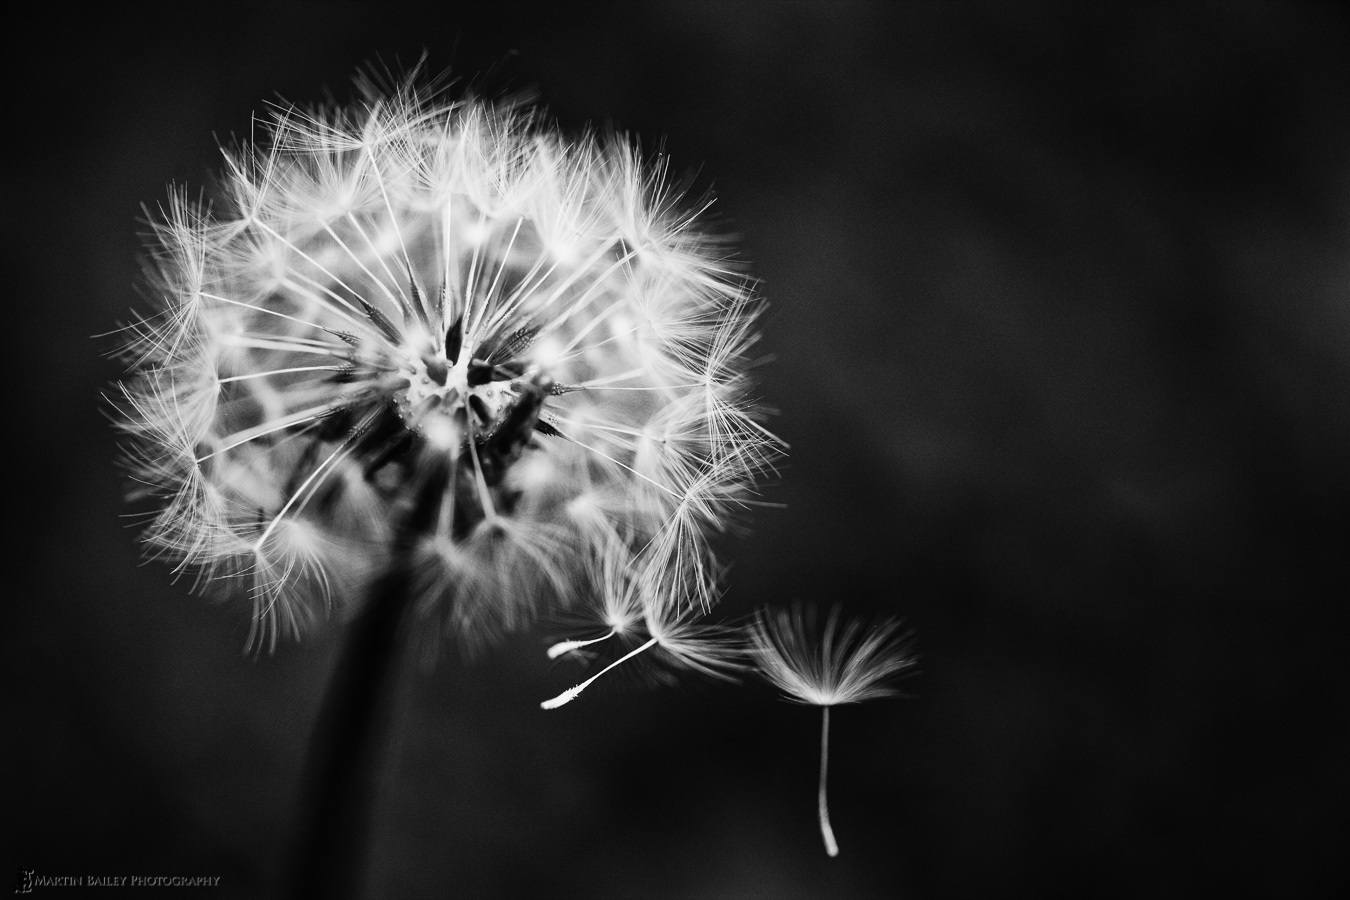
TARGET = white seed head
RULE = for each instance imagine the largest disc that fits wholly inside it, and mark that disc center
(829, 666)
(410, 286)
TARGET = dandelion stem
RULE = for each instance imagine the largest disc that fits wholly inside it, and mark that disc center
(352, 736)
(825, 830)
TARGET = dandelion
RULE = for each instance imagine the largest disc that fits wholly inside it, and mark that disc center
(834, 668)
(432, 355)
(414, 303)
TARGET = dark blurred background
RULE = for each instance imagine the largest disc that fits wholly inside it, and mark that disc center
(1061, 325)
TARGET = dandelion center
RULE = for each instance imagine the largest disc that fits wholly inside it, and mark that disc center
(448, 400)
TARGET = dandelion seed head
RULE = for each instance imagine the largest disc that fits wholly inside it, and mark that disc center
(411, 285)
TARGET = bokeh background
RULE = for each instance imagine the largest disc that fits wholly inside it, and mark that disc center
(1061, 334)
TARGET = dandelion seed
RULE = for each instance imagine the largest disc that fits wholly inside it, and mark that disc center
(563, 647)
(676, 636)
(829, 669)
(572, 693)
